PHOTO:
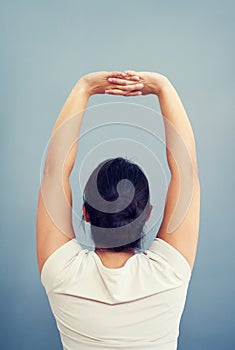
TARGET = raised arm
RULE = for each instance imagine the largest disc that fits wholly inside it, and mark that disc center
(180, 224)
(54, 215)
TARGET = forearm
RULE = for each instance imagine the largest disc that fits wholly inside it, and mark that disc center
(180, 142)
(62, 148)
(63, 143)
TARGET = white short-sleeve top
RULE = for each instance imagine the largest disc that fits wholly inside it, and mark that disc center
(137, 306)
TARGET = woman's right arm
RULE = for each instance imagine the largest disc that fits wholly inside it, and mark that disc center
(180, 224)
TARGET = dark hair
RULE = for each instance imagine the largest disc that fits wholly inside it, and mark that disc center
(116, 198)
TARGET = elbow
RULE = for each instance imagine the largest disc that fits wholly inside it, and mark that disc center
(183, 165)
(50, 170)
(195, 167)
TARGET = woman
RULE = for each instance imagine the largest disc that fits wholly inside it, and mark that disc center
(114, 297)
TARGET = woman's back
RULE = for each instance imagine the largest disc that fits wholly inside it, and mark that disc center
(136, 306)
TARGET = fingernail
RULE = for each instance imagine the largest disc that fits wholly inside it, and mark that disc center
(110, 80)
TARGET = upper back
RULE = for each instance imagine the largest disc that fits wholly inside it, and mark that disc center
(137, 305)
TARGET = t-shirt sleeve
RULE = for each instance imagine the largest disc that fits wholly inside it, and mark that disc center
(57, 262)
(162, 252)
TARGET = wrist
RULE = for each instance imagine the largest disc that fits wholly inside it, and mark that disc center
(83, 87)
(158, 84)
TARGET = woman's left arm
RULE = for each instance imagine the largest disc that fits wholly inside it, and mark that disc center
(54, 215)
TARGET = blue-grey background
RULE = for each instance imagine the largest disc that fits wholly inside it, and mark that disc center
(46, 47)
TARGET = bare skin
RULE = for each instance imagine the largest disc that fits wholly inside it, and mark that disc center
(54, 215)
(180, 224)
(114, 260)
(51, 234)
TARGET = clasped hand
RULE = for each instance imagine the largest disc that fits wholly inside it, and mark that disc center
(128, 83)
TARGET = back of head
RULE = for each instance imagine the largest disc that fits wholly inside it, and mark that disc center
(116, 199)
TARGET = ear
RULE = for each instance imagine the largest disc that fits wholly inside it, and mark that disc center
(149, 213)
(85, 213)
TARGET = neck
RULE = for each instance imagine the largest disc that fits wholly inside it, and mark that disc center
(113, 260)
(106, 250)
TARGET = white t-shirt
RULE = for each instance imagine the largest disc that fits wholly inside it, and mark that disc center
(137, 306)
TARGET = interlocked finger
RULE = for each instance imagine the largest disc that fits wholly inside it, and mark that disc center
(130, 73)
(123, 81)
(115, 91)
(123, 75)
(116, 74)
(127, 88)
(118, 81)
(123, 93)
(133, 93)
(133, 87)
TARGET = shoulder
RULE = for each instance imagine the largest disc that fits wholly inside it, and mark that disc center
(169, 258)
(56, 264)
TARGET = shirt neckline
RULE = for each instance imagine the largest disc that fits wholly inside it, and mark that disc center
(110, 269)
